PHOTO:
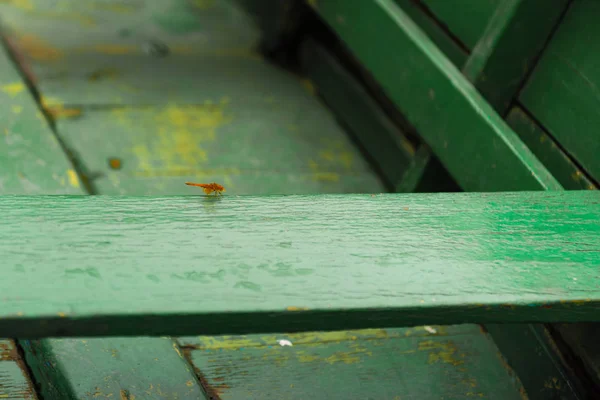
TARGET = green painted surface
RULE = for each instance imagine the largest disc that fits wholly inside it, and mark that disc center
(119, 368)
(170, 257)
(379, 136)
(471, 140)
(511, 42)
(435, 362)
(446, 44)
(467, 19)
(31, 158)
(563, 90)
(249, 148)
(14, 382)
(570, 176)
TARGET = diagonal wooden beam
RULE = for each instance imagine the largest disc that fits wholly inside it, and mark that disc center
(463, 130)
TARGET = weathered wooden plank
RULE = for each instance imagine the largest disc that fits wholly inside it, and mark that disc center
(31, 157)
(14, 382)
(471, 140)
(171, 261)
(391, 150)
(562, 93)
(371, 364)
(118, 368)
(512, 40)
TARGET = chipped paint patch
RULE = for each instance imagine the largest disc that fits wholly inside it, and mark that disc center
(13, 89)
(444, 352)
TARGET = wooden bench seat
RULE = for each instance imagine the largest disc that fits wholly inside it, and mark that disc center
(242, 264)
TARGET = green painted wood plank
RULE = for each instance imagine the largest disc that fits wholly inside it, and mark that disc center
(176, 271)
(467, 19)
(378, 135)
(376, 364)
(31, 158)
(14, 380)
(443, 41)
(107, 60)
(570, 176)
(119, 368)
(512, 40)
(251, 148)
(562, 92)
(471, 140)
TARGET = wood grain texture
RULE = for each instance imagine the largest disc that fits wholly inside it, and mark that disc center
(433, 362)
(149, 266)
(462, 129)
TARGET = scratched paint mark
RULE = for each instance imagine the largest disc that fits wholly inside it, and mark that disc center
(73, 178)
(13, 89)
(89, 271)
(248, 285)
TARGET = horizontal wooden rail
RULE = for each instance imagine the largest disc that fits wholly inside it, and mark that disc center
(87, 266)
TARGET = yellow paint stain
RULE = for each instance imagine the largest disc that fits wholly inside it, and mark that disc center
(116, 8)
(444, 352)
(62, 315)
(81, 19)
(309, 86)
(576, 175)
(203, 4)
(326, 177)
(73, 178)
(38, 49)
(189, 383)
(13, 89)
(16, 109)
(176, 348)
(26, 5)
(407, 146)
(180, 133)
(114, 49)
(542, 138)
(294, 308)
(552, 383)
(103, 74)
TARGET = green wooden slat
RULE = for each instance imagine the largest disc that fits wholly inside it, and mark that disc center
(452, 362)
(506, 51)
(14, 382)
(31, 159)
(430, 26)
(570, 176)
(471, 140)
(112, 368)
(467, 19)
(171, 261)
(562, 93)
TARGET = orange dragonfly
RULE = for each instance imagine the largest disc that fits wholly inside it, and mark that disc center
(209, 187)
